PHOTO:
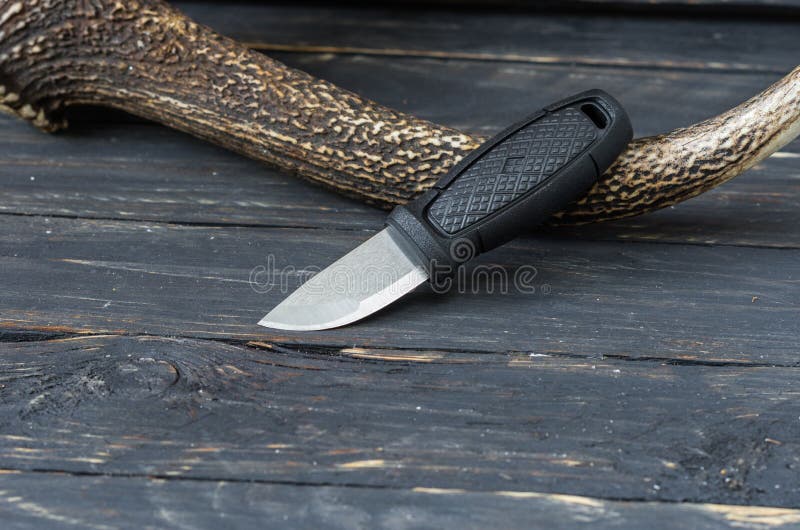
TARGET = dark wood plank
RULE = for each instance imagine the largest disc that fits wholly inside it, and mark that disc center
(201, 410)
(141, 172)
(720, 5)
(150, 173)
(139, 502)
(689, 42)
(710, 304)
(96, 172)
(720, 8)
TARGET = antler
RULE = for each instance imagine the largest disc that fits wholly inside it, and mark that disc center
(147, 58)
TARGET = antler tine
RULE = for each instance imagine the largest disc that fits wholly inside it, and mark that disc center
(660, 171)
(147, 58)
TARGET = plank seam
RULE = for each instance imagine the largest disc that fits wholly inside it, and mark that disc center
(367, 231)
(355, 485)
(183, 223)
(547, 61)
(21, 335)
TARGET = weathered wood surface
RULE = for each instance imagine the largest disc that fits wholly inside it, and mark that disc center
(95, 172)
(492, 35)
(717, 8)
(356, 416)
(662, 366)
(591, 299)
(152, 502)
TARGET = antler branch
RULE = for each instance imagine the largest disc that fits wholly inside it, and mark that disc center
(147, 58)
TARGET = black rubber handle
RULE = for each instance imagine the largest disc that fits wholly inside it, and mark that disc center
(515, 181)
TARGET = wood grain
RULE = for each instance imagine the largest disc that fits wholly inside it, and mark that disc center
(155, 503)
(716, 8)
(706, 43)
(682, 302)
(199, 410)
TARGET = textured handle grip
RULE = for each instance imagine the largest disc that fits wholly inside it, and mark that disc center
(516, 180)
(516, 165)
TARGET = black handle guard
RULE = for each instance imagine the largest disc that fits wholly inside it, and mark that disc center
(514, 181)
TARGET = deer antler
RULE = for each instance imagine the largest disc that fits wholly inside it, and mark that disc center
(147, 58)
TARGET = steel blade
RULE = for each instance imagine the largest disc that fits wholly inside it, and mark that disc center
(368, 278)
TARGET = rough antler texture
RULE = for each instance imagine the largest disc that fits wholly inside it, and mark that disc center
(149, 59)
(663, 170)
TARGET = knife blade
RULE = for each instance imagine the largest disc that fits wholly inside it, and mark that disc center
(511, 183)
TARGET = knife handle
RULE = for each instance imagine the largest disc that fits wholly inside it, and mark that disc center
(514, 181)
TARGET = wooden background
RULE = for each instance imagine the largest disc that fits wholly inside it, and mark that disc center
(652, 380)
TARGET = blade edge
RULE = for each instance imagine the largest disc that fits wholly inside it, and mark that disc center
(382, 250)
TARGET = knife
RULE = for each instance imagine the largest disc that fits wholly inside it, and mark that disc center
(511, 183)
